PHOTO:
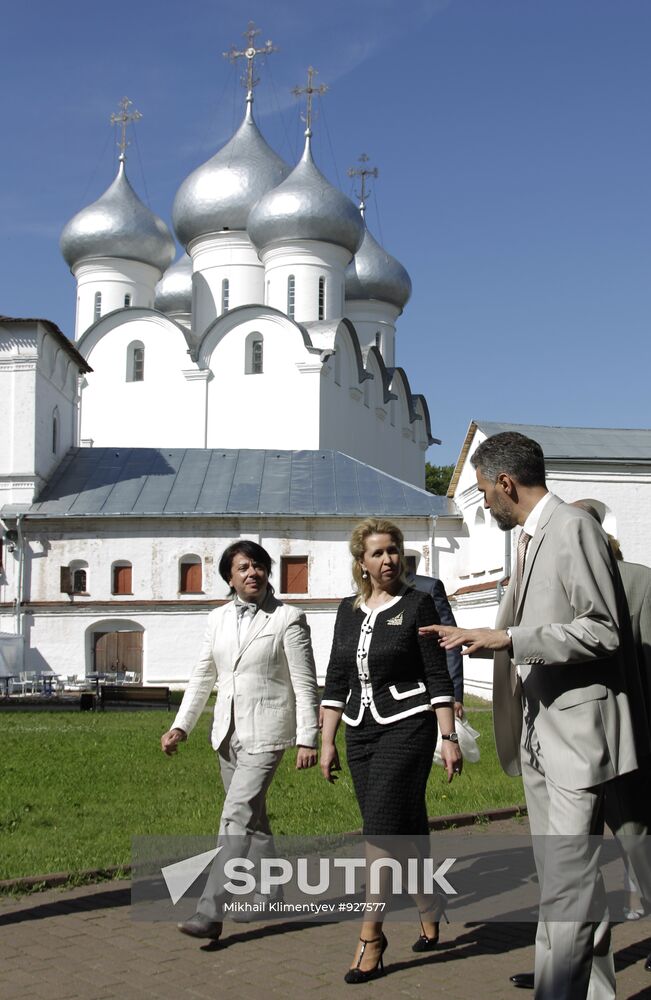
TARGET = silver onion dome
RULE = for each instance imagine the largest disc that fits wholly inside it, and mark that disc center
(174, 290)
(118, 225)
(306, 207)
(219, 194)
(375, 274)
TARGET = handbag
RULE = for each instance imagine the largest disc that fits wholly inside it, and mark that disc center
(467, 743)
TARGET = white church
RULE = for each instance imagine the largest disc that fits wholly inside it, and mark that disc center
(248, 390)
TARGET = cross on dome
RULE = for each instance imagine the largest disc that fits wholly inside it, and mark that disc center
(309, 91)
(363, 172)
(250, 53)
(123, 118)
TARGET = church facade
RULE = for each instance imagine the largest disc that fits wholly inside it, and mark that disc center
(250, 389)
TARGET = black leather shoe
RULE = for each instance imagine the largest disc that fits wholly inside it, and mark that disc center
(647, 964)
(199, 926)
(523, 980)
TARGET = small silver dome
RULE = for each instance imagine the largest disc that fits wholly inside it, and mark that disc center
(174, 290)
(306, 207)
(375, 274)
(118, 225)
(220, 194)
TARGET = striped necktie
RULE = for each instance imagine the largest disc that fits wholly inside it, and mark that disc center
(523, 541)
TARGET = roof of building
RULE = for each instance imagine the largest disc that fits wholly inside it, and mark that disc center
(220, 193)
(577, 444)
(58, 335)
(145, 482)
(118, 224)
(375, 274)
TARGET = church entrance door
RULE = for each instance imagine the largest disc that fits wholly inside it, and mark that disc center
(115, 652)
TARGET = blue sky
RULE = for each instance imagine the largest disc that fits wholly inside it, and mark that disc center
(513, 139)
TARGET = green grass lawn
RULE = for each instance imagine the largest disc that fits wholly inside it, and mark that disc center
(74, 789)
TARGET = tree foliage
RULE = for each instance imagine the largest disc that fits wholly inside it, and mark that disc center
(437, 478)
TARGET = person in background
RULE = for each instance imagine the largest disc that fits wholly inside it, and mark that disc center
(434, 587)
(391, 688)
(272, 707)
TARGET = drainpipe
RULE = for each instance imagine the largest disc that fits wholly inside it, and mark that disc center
(432, 535)
(19, 589)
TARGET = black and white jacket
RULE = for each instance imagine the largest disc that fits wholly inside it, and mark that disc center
(379, 662)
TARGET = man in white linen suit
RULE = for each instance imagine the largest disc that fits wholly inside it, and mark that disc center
(560, 705)
(258, 652)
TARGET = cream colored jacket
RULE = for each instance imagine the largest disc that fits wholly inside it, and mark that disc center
(269, 682)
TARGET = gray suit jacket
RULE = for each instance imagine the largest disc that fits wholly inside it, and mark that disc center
(637, 587)
(566, 639)
(433, 586)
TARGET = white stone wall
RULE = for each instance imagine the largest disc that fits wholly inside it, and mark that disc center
(276, 409)
(38, 380)
(59, 628)
(166, 409)
(372, 318)
(114, 278)
(219, 256)
(307, 261)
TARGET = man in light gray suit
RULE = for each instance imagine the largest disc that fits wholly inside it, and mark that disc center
(561, 710)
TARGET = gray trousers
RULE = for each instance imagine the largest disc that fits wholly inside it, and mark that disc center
(573, 950)
(244, 829)
(628, 800)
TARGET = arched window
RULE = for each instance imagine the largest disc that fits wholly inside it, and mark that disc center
(79, 576)
(98, 305)
(378, 340)
(254, 354)
(121, 577)
(55, 430)
(321, 298)
(127, 301)
(136, 361)
(291, 295)
(225, 294)
(190, 575)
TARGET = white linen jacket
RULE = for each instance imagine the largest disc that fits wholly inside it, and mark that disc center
(269, 682)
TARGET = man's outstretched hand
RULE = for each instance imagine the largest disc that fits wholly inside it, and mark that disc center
(473, 639)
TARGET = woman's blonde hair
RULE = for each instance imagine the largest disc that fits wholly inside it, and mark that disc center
(357, 546)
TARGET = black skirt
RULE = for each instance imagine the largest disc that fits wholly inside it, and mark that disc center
(390, 765)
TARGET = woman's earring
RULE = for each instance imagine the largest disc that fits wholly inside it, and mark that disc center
(364, 575)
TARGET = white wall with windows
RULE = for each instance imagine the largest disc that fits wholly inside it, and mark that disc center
(218, 258)
(144, 389)
(105, 284)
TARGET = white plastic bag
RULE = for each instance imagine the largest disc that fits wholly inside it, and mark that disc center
(467, 743)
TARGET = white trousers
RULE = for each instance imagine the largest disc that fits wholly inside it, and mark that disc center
(244, 825)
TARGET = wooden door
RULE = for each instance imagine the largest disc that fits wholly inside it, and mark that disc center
(118, 651)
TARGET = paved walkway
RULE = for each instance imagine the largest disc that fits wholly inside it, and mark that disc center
(82, 944)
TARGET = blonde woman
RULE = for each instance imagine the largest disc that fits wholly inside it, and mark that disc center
(390, 687)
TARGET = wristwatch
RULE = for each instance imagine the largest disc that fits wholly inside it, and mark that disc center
(452, 737)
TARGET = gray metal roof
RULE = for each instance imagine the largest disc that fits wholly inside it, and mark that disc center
(604, 444)
(147, 482)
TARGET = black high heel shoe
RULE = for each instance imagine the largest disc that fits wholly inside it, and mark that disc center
(357, 975)
(425, 943)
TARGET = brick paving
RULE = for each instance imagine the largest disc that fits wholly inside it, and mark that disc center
(82, 944)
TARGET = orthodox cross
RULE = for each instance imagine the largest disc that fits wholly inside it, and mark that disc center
(363, 172)
(123, 118)
(249, 53)
(309, 91)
